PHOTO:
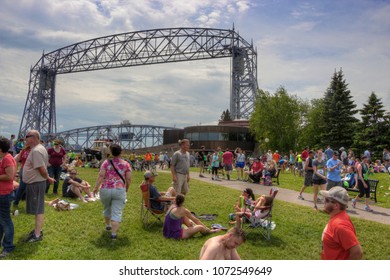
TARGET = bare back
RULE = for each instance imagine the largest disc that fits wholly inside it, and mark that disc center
(215, 249)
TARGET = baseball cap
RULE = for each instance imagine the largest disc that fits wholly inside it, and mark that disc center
(149, 174)
(337, 193)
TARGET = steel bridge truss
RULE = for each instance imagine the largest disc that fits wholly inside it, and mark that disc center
(141, 48)
(127, 135)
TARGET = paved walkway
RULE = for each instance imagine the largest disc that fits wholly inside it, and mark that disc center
(380, 214)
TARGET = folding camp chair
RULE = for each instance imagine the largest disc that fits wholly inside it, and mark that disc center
(261, 223)
(147, 211)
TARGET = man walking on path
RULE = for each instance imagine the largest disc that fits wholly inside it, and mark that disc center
(35, 176)
(227, 158)
(308, 174)
(201, 161)
(333, 166)
(339, 241)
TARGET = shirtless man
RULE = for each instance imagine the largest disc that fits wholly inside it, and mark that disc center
(223, 247)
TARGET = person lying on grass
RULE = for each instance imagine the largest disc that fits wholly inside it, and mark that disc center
(177, 216)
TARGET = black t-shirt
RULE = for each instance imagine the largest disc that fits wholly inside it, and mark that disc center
(200, 156)
(66, 184)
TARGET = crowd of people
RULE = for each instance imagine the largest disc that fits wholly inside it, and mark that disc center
(329, 172)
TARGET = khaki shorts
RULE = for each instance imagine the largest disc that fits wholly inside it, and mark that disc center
(181, 184)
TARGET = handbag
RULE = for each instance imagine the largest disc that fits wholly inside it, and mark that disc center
(117, 172)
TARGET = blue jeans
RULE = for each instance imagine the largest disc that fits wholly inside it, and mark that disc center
(21, 190)
(54, 172)
(6, 225)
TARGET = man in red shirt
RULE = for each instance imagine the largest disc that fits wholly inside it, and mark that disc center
(7, 175)
(257, 171)
(227, 159)
(339, 241)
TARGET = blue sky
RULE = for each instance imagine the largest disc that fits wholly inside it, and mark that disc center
(300, 44)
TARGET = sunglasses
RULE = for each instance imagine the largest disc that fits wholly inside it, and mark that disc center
(28, 136)
(73, 173)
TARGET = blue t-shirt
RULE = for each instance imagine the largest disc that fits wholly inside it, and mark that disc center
(154, 194)
(333, 175)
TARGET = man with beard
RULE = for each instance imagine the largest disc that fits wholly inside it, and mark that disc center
(339, 241)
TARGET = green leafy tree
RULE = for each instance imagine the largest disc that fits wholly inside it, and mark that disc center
(373, 132)
(313, 124)
(276, 117)
(339, 114)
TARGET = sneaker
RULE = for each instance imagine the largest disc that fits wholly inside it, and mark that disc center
(315, 207)
(4, 254)
(33, 239)
(114, 237)
(368, 209)
(31, 234)
(353, 203)
(301, 197)
(108, 227)
(201, 176)
(319, 199)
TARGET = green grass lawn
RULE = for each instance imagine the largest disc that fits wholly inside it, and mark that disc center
(80, 234)
(291, 182)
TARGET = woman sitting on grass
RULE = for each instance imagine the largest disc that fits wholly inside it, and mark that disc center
(260, 210)
(178, 215)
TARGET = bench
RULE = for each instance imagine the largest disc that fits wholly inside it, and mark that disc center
(275, 178)
(372, 184)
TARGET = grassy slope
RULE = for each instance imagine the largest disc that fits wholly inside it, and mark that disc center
(79, 234)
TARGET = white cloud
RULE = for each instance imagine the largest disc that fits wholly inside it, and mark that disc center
(299, 44)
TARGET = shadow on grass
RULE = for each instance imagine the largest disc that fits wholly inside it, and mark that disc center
(25, 249)
(153, 227)
(257, 239)
(105, 241)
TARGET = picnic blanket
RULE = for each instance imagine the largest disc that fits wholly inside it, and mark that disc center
(206, 217)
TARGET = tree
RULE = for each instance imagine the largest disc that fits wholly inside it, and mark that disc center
(276, 117)
(225, 116)
(313, 125)
(338, 116)
(373, 132)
